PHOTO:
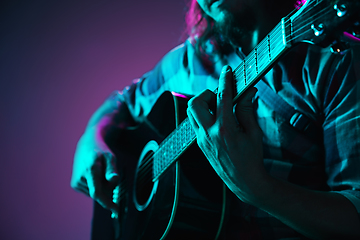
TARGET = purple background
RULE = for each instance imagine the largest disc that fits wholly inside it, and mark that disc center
(58, 61)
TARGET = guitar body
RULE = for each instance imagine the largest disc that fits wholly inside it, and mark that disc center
(184, 198)
(186, 202)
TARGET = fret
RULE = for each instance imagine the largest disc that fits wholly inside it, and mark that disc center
(276, 41)
(250, 67)
(276, 48)
(243, 70)
(256, 61)
(263, 55)
(248, 71)
(172, 147)
(157, 162)
(269, 48)
(239, 76)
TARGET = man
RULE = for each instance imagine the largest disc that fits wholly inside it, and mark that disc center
(289, 183)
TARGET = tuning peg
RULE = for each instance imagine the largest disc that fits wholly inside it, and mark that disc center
(318, 30)
(340, 9)
(339, 47)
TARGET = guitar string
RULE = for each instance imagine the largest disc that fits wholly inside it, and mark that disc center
(260, 50)
(261, 43)
(240, 69)
(150, 156)
(244, 78)
(291, 13)
(307, 22)
(170, 139)
(310, 6)
(146, 167)
(243, 70)
(122, 190)
(187, 131)
(279, 34)
(304, 24)
(145, 174)
(147, 161)
(311, 20)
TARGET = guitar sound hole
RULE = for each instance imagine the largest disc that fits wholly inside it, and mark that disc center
(144, 183)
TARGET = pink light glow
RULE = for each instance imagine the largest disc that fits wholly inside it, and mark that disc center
(351, 37)
(178, 95)
(299, 3)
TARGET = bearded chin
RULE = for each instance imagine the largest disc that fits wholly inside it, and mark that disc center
(234, 28)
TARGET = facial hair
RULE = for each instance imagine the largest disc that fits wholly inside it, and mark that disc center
(235, 27)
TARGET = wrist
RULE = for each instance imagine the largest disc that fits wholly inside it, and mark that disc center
(260, 189)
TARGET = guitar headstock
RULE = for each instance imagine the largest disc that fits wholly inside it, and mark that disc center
(326, 22)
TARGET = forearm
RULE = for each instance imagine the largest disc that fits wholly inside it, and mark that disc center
(318, 215)
(94, 158)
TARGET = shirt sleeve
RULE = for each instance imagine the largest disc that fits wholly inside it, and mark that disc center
(180, 71)
(342, 127)
(142, 94)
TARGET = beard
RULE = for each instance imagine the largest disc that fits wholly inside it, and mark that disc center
(235, 27)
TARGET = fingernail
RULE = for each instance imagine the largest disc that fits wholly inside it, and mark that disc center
(226, 69)
(111, 176)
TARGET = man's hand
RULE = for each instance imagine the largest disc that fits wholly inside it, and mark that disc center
(234, 149)
(232, 144)
(94, 170)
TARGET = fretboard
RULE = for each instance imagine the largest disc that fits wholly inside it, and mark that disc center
(248, 72)
(262, 57)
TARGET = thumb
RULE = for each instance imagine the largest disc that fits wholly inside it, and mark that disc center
(244, 110)
(111, 172)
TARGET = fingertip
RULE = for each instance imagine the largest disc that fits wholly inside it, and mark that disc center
(250, 93)
(254, 90)
(112, 176)
(111, 173)
(226, 77)
(226, 69)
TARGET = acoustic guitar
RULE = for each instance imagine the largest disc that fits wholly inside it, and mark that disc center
(167, 188)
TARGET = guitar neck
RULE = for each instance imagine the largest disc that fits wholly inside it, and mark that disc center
(248, 72)
(262, 57)
(172, 147)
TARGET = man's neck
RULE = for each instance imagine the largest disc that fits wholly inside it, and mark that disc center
(254, 38)
(266, 23)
